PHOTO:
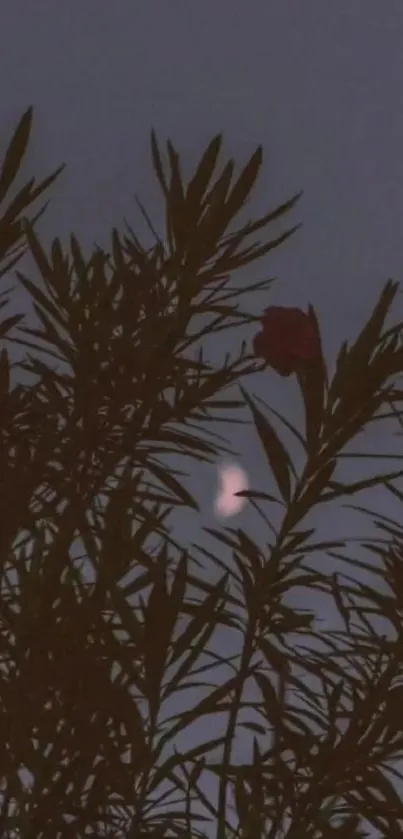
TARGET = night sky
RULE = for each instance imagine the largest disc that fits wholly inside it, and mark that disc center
(317, 84)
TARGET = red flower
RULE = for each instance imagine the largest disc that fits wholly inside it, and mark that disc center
(289, 339)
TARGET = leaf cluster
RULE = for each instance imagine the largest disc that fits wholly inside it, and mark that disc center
(121, 711)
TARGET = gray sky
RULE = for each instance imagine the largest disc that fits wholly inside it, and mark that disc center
(318, 84)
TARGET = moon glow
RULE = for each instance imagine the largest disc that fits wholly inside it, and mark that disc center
(231, 479)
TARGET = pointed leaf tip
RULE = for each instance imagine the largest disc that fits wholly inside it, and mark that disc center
(15, 152)
(277, 455)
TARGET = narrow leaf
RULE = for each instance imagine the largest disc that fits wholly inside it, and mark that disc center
(15, 153)
(312, 382)
(166, 477)
(7, 324)
(243, 186)
(352, 364)
(158, 168)
(278, 458)
(199, 183)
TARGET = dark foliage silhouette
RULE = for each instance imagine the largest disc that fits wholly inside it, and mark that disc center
(110, 660)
